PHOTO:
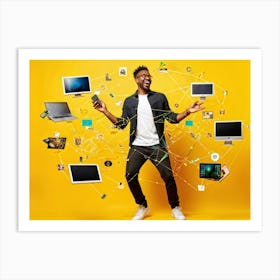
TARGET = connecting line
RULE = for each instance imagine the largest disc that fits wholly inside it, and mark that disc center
(185, 181)
(73, 127)
(97, 191)
(136, 174)
(108, 146)
(223, 101)
(182, 73)
(63, 171)
(236, 154)
(199, 77)
(60, 158)
(163, 116)
(149, 157)
(150, 181)
(67, 177)
(157, 153)
(159, 110)
(216, 95)
(78, 148)
(191, 150)
(177, 158)
(228, 150)
(99, 78)
(160, 161)
(202, 146)
(185, 95)
(134, 116)
(174, 90)
(177, 84)
(180, 135)
(165, 112)
(163, 158)
(141, 154)
(115, 182)
(124, 121)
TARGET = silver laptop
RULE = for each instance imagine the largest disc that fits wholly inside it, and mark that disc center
(59, 111)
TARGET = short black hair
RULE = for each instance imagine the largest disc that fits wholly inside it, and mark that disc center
(140, 68)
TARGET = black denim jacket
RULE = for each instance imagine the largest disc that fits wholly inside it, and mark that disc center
(160, 109)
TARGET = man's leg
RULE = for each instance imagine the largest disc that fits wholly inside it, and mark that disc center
(135, 159)
(160, 159)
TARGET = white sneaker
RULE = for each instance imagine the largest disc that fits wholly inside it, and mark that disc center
(141, 213)
(177, 213)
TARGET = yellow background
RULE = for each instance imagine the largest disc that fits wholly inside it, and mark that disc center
(54, 197)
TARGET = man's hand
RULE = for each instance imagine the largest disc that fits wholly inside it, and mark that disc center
(195, 107)
(99, 106)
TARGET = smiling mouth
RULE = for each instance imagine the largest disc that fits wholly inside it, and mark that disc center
(147, 83)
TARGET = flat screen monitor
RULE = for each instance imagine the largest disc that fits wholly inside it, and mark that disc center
(228, 131)
(210, 171)
(202, 90)
(76, 85)
(84, 173)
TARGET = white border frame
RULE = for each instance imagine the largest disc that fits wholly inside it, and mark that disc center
(24, 57)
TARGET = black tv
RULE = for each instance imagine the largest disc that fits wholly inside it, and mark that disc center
(202, 90)
(228, 131)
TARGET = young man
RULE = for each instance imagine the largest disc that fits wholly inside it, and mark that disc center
(146, 111)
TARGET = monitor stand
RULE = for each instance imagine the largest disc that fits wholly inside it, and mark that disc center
(202, 98)
(77, 95)
(228, 142)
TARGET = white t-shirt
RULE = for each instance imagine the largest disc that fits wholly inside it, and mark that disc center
(146, 132)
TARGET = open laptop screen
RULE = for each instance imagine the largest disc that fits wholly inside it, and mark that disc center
(57, 108)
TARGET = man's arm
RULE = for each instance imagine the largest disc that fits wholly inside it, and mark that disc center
(121, 122)
(101, 107)
(194, 107)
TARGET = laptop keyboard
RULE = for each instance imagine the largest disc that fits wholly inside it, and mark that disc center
(69, 118)
(62, 116)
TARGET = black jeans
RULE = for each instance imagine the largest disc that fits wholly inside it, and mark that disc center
(137, 156)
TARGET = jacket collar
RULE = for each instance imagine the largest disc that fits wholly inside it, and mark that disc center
(136, 93)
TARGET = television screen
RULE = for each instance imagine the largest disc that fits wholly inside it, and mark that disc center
(210, 171)
(231, 130)
(84, 173)
(76, 85)
(202, 89)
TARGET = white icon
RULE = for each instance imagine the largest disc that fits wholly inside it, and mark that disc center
(122, 71)
(201, 188)
(215, 156)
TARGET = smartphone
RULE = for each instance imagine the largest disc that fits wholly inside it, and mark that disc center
(95, 98)
(225, 172)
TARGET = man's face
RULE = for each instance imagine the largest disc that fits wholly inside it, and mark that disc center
(144, 79)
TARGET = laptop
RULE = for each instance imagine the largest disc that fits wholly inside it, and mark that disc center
(59, 111)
